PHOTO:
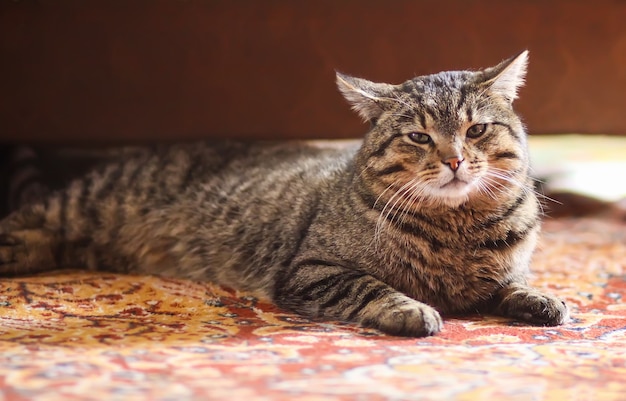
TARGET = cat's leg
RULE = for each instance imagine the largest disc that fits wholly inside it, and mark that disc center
(528, 304)
(32, 241)
(321, 291)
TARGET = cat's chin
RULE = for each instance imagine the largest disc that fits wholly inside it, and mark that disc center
(451, 202)
(452, 194)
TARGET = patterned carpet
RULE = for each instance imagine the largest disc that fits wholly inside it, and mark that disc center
(86, 336)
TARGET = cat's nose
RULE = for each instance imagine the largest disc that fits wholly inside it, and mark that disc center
(453, 162)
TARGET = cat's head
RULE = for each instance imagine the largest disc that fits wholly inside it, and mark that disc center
(446, 138)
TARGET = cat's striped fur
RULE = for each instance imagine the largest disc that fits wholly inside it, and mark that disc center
(434, 212)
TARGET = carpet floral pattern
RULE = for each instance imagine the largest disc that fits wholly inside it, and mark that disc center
(80, 336)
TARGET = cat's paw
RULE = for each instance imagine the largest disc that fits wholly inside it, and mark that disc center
(9, 240)
(25, 251)
(409, 319)
(535, 307)
(12, 251)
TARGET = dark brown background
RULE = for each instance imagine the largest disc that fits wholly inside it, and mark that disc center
(103, 70)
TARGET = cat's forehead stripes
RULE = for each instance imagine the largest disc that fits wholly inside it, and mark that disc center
(438, 101)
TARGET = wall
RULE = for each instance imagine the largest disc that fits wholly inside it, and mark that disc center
(111, 70)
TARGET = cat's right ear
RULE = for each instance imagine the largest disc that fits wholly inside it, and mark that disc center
(367, 98)
(508, 76)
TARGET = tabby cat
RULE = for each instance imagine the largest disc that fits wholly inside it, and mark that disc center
(433, 213)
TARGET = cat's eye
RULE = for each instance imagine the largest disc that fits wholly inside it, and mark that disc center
(476, 130)
(420, 137)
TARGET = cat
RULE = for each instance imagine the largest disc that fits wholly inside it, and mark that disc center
(432, 213)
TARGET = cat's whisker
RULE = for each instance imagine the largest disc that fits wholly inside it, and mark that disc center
(397, 204)
(388, 208)
(414, 201)
(399, 197)
(491, 179)
(379, 222)
(506, 176)
(382, 194)
(536, 179)
(541, 194)
(483, 187)
(547, 198)
(413, 191)
(501, 187)
(527, 189)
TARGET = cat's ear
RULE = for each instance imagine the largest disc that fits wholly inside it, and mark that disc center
(367, 98)
(507, 77)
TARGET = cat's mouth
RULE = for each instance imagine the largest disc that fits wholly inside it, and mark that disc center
(454, 192)
(455, 183)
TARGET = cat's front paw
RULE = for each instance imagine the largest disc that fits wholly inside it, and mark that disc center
(409, 318)
(533, 306)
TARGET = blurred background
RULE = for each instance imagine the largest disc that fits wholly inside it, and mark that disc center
(96, 72)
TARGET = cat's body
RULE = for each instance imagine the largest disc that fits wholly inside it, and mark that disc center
(434, 212)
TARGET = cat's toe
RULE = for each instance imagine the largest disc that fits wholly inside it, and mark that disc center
(8, 240)
(538, 308)
(11, 252)
(414, 319)
(549, 311)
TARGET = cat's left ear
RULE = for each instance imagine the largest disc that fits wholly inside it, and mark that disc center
(367, 98)
(507, 77)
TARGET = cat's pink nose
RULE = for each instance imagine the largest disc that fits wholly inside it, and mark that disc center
(453, 162)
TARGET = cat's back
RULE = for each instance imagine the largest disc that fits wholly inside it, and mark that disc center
(269, 176)
(258, 167)
(227, 156)
(165, 173)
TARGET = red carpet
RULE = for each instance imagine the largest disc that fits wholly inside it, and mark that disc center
(84, 336)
